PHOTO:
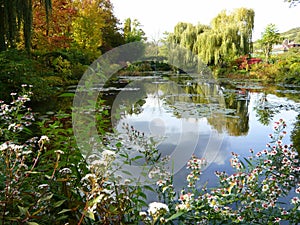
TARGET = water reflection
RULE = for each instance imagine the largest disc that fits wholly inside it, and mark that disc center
(295, 134)
(225, 111)
(207, 119)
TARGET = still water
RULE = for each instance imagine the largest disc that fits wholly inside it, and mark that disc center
(209, 119)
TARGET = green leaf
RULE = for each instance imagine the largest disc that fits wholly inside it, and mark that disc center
(90, 215)
(64, 211)
(143, 195)
(23, 210)
(174, 216)
(95, 201)
(149, 188)
(126, 172)
(48, 197)
(119, 145)
(67, 95)
(137, 157)
(32, 223)
(59, 203)
(247, 160)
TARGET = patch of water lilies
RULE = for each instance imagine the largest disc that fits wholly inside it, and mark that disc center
(193, 110)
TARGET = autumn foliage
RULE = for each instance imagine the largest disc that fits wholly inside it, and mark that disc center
(55, 33)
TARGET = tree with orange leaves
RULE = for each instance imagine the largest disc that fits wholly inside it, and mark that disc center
(56, 33)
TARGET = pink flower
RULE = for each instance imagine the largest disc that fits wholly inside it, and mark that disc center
(277, 220)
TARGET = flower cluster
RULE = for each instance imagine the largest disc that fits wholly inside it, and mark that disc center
(156, 212)
(185, 201)
(195, 165)
(15, 117)
(254, 192)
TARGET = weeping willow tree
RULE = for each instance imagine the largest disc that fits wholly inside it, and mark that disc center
(16, 22)
(228, 36)
(184, 35)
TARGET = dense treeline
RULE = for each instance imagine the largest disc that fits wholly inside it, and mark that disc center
(228, 35)
(50, 43)
(226, 46)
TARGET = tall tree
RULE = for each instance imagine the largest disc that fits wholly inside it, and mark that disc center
(56, 33)
(270, 36)
(95, 27)
(227, 37)
(133, 31)
(16, 21)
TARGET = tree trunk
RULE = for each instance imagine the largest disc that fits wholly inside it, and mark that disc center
(2, 27)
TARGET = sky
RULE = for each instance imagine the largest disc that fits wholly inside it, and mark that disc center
(158, 16)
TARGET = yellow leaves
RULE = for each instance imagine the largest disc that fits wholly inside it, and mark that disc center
(87, 26)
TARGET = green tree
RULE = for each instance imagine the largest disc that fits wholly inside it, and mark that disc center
(228, 36)
(133, 31)
(16, 22)
(270, 37)
(95, 27)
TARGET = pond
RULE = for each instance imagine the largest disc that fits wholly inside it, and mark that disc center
(188, 115)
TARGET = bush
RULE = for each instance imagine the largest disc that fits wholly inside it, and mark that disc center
(17, 69)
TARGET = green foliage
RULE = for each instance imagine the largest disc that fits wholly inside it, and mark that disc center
(133, 31)
(17, 69)
(295, 136)
(47, 179)
(292, 34)
(270, 36)
(95, 27)
(283, 69)
(228, 37)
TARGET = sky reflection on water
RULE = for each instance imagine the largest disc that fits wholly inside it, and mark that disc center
(212, 136)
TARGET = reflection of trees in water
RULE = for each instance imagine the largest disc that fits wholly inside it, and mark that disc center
(231, 115)
(235, 123)
(295, 135)
(192, 99)
(264, 113)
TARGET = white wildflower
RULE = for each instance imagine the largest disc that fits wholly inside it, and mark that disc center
(3, 146)
(265, 187)
(143, 214)
(88, 177)
(59, 152)
(42, 186)
(157, 208)
(108, 154)
(65, 171)
(99, 163)
(43, 139)
(26, 152)
(11, 126)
